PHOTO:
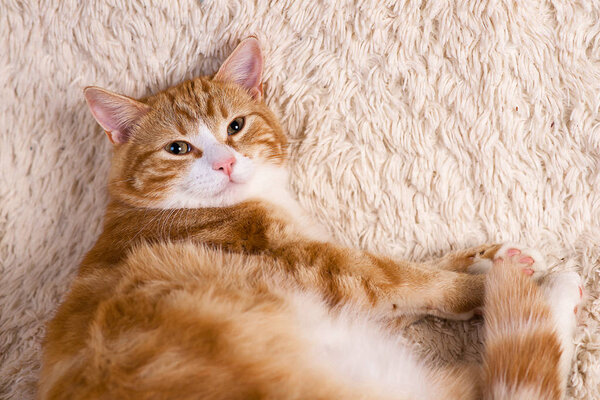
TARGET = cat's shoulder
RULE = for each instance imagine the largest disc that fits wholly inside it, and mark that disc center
(272, 190)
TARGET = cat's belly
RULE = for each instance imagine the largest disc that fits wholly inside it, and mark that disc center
(360, 353)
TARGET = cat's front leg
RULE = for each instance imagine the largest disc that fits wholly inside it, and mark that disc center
(441, 293)
(455, 295)
(473, 260)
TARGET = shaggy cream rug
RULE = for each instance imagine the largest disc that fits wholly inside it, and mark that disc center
(416, 127)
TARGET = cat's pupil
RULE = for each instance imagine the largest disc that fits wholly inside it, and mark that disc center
(235, 126)
(176, 148)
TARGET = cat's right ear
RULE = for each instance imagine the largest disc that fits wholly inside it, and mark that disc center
(115, 113)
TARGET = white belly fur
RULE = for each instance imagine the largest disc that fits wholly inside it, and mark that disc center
(361, 353)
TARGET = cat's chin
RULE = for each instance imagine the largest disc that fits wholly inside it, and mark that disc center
(232, 193)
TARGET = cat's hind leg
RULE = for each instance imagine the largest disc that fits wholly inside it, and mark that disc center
(527, 341)
(531, 260)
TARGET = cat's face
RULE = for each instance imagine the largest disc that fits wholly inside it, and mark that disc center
(204, 143)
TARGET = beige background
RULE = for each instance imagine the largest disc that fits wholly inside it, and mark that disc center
(416, 127)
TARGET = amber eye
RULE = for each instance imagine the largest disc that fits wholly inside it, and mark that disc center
(179, 148)
(235, 126)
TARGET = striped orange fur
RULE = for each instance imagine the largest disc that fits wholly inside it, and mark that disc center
(209, 281)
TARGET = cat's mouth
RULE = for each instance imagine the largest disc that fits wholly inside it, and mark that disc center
(240, 177)
(230, 184)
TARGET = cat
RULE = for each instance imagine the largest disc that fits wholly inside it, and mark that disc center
(210, 281)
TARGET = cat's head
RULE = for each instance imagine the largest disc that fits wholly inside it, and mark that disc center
(203, 143)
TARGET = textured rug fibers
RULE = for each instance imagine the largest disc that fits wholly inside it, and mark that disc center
(416, 127)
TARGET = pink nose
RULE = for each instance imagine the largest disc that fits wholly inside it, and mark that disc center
(225, 165)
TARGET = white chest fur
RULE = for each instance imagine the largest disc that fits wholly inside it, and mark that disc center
(270, 184)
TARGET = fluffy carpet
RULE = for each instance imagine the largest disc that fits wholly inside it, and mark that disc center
(416, 127)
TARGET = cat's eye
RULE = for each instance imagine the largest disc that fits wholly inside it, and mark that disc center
(235, 126)
(179, 148)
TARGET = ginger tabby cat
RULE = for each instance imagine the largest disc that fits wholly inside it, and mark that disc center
(210, 282)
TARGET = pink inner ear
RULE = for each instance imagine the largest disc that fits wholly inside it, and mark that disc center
(115, 113)
(244, 67)
(105, 115)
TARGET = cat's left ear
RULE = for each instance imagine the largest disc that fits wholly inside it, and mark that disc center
(244, 66)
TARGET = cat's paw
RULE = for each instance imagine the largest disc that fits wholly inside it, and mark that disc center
(479, 259)
(564, 292)
(530, 261)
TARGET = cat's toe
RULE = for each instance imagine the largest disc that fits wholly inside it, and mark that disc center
(531, 261)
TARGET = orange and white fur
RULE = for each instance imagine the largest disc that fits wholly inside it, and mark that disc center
(209, 281)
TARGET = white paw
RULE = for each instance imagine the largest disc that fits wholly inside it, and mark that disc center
(532, 261)
(564, 292)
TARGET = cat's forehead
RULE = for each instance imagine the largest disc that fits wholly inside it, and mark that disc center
(201, 135)
(200, 105)
(202, 97)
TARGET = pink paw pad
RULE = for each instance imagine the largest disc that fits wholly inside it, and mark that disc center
(530, 260)
(528, 271)
(513, 252)
(526, 260)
